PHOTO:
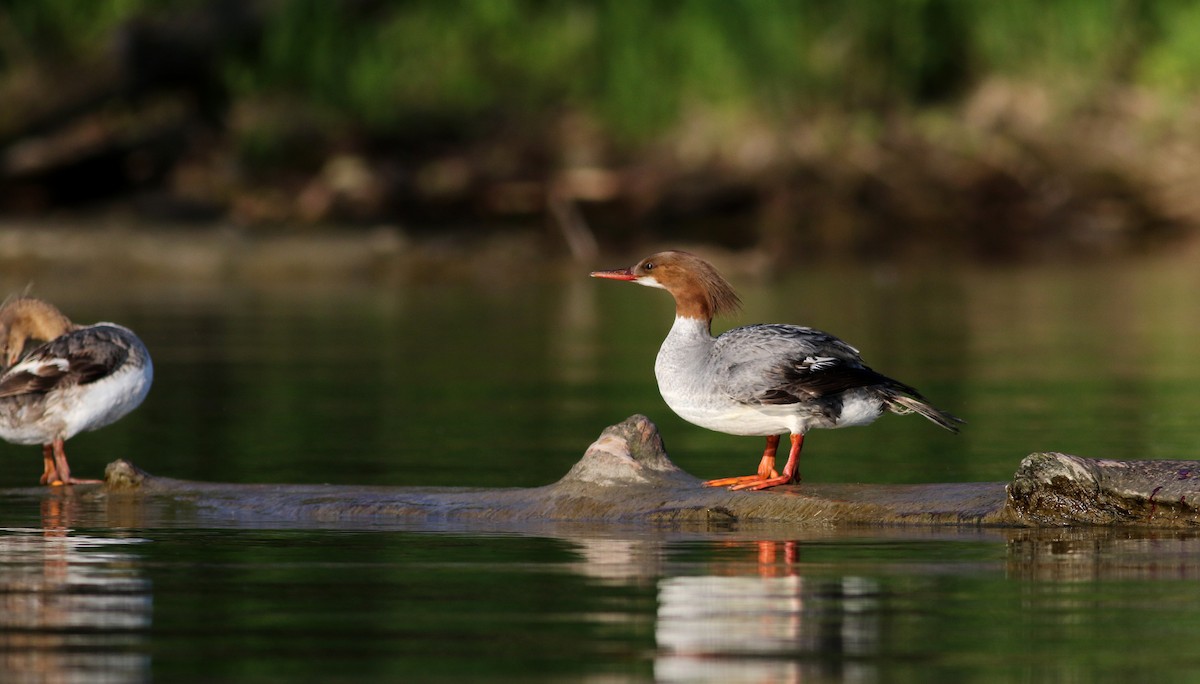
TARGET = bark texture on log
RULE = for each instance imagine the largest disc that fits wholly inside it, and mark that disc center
(626, 476)
(1060, 489)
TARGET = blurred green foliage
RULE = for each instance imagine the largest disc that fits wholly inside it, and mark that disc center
(637, 66)
(59, 29)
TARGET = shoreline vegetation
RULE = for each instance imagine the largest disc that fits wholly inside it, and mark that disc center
(932, 128)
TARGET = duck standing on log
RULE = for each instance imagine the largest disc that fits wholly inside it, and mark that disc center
(763, 379)
(81, 377)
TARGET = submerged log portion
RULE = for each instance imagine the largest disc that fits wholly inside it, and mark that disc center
(626, 476)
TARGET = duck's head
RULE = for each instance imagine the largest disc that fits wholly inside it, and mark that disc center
(26, 318)
(699, 290)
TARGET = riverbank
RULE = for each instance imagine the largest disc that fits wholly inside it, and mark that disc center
(991, 133)
(1005, 177)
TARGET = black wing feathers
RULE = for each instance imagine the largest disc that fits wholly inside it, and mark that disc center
(816, 378)
(89, 355)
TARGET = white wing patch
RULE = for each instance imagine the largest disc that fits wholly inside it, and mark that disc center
(818, 363)
(34, 367)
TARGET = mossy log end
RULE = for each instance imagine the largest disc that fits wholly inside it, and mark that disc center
(625, 476)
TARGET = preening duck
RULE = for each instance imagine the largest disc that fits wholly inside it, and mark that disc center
(764, 379)
(72, 378)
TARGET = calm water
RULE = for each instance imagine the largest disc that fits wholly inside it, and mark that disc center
(505, 384)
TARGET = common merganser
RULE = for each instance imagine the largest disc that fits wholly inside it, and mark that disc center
(82, 377)
(763, 379)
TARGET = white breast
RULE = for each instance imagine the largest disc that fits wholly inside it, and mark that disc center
(686, 379)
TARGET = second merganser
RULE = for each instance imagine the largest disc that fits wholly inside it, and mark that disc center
(82, 377)
(763, 379)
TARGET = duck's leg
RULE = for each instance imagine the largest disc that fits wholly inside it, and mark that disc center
(49, 472)
(64, 470)
(790, 469)
(766, 468)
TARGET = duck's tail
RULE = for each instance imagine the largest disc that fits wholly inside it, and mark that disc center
(903, 399)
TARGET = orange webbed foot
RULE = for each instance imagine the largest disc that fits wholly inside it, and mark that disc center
(763, 484)
(737, 481)
(750, 483)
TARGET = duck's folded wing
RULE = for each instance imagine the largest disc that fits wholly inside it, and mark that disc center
(34, 377)
(814, 377)
(78, 358)
(786, 364)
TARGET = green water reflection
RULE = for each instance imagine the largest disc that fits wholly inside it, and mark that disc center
(505, 384)
(366, 603)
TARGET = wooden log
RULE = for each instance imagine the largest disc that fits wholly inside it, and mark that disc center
(625, 476)
(1053, 489)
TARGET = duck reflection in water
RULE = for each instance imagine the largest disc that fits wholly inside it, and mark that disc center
(72, 607)
(774, 625)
